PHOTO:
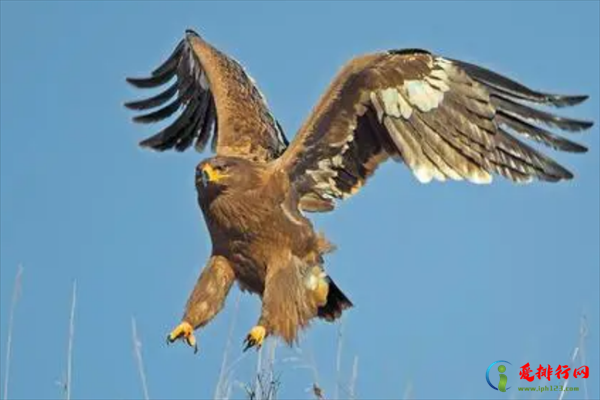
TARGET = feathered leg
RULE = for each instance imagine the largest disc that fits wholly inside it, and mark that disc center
(206, 300)
(289, 302)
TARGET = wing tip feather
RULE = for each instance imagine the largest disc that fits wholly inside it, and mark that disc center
(146, 82)
(135, 82)
(568, 100)
(151, 144)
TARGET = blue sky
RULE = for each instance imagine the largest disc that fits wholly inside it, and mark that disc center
(446, 278)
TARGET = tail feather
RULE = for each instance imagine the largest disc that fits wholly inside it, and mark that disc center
(336, 303)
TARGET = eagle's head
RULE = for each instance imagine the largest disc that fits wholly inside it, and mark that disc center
(226, 174)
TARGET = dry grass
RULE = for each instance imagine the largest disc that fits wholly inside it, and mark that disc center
(223, 386)
(338, 360)
(266, 383)
(265, 386)
(69, 378)
(137, 351)
(11, 320)
(353, 379)
(578, 354)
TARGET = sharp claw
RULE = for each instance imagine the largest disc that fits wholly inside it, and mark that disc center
(183, 331)
(191, 341)
(255, 338)
(248, 343)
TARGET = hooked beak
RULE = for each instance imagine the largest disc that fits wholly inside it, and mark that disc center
(209, 174)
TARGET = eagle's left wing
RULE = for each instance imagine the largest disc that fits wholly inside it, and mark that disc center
(444, 119)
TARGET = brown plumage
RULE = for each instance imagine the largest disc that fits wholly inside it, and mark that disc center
(445, 119)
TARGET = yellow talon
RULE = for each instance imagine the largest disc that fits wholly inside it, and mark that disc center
(256, 337)
(317, 282)
(321, 292)
(186, 331)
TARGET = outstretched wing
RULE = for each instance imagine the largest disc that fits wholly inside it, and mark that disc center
(215, 94)
(445, 119)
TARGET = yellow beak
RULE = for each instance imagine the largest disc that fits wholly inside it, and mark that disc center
(209, 174)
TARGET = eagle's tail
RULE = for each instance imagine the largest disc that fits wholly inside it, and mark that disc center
(336, 303)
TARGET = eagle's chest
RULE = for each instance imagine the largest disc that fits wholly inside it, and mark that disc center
(267, 213)
(251, 228)
(247, 215)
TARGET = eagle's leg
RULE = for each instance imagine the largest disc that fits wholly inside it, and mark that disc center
(292, 296)
(206, 300)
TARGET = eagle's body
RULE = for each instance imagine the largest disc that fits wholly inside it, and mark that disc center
(447, 120)
(255, 223)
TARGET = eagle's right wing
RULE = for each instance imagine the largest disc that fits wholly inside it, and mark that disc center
(217, 95)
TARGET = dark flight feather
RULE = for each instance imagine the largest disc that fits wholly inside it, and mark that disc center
(154, 101)
(201, 73)
(514, 89)
(538, 134)
(520, 110)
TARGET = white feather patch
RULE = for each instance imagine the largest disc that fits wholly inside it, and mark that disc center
(439, 74)
(423, 174)
(422, 95)
(480, 177)
(337, 161)
(405, 108)
(394, 104)
(391, 102)
(442, 62)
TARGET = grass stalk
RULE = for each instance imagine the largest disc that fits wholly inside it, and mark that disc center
(11, 319)
(338, 361)
(70, 343)
(137, 350)
(353, 379)
(222, 382)
(577, 353)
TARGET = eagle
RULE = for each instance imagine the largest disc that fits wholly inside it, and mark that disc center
(445, 119)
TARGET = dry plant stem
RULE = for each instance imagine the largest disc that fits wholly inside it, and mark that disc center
(272, 349)
(70, 345)
(13, 305)
(577, 352)
(338, 361)
(353, 379)
(408, 393)
(137, 349)
(583, 332)
(316, 388)
(257, 383)
(219, 392)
